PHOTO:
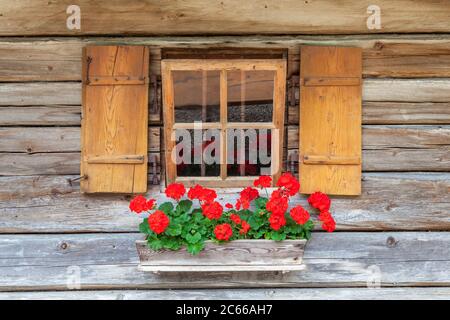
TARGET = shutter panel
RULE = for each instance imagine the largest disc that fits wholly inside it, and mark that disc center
(115, 119)
(330, 120)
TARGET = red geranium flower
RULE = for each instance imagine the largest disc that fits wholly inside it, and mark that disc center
(319, 201)
(223, 232)
(175, 191)
(245, 227)
(212, 210)
(299, 214)
(277, 203)
(158, 221)
(202, 194)
(150, 204)
(263, 182)
(328, 222)
(229, 205)
(247, 195)
(235, 218)
(138, 204)
(289, 183)
(277, 221)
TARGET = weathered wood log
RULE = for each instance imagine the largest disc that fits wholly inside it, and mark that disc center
(385, 90)
(34, 151)
(40, 115)
(390, 201)
(59, 59)
(399, 293)
(394, 113)
(204, 17)
(108, 261)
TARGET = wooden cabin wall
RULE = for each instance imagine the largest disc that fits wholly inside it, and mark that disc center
(47, 226)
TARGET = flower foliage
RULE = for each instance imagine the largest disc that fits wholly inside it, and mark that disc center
(176, 224)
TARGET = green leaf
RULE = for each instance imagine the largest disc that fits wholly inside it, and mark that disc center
(171, 243)
(261, 202)
(174, 230)
(184, 206)
(143, 227)
(195, 248)
(193, 238)
(278, 236)
(166, 207)
(155, 244)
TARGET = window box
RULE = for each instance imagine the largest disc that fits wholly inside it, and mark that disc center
(238, 255)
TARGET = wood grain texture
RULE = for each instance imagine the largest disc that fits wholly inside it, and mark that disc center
(59, 59)
(390, 201)
(330, 120)
(203, 17)
(239, 255)
(115, 119)
(109, 261)
(382, 90)
(399, 293)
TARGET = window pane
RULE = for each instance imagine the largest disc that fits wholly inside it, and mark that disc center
(198, 152)
(196, 96)
(249, 152)
(250, 96)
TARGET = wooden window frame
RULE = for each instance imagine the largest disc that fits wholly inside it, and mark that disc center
(279, 67)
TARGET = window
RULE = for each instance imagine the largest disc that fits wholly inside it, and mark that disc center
(223, 120)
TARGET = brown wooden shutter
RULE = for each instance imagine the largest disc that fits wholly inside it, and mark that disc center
(330, 120)
(115, 119)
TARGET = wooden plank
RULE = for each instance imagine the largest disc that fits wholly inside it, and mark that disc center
(115, 119)
(54, 139)
(40, 115)
(259, 17)
(382, 90)
(330, 120)
(395, 113)
(262, 255)
(59, 59)
(390, 201)
(399, 293)
(109, 261)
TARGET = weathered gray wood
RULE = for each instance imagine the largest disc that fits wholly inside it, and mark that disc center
(406, 293)
(388, 90)
(109, 261)
(395, 113)
(234, 256)
(205, 17)
(390, 201)
(40, 115)
(54, 139)
(385, 148)
(59, 59)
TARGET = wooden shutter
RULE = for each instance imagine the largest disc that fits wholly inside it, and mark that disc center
(115, 119)
(330, 120)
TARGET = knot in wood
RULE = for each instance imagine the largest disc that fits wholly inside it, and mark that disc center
(64, 246)
(391, 242)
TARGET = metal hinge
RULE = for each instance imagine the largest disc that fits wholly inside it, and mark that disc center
(88, 64)
(154, 166)
(71, 181)
(293, 90)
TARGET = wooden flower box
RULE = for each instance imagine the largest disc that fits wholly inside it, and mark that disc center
(238, 255)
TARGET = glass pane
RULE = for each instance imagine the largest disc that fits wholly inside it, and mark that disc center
(196, 96)
(249, 152)
(198, 152)
(250, 96)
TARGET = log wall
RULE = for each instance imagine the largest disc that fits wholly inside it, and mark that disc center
(47, 226)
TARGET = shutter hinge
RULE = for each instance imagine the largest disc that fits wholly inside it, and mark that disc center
(71, 181)
(154, 166)
(293, 89)
(88, 64)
